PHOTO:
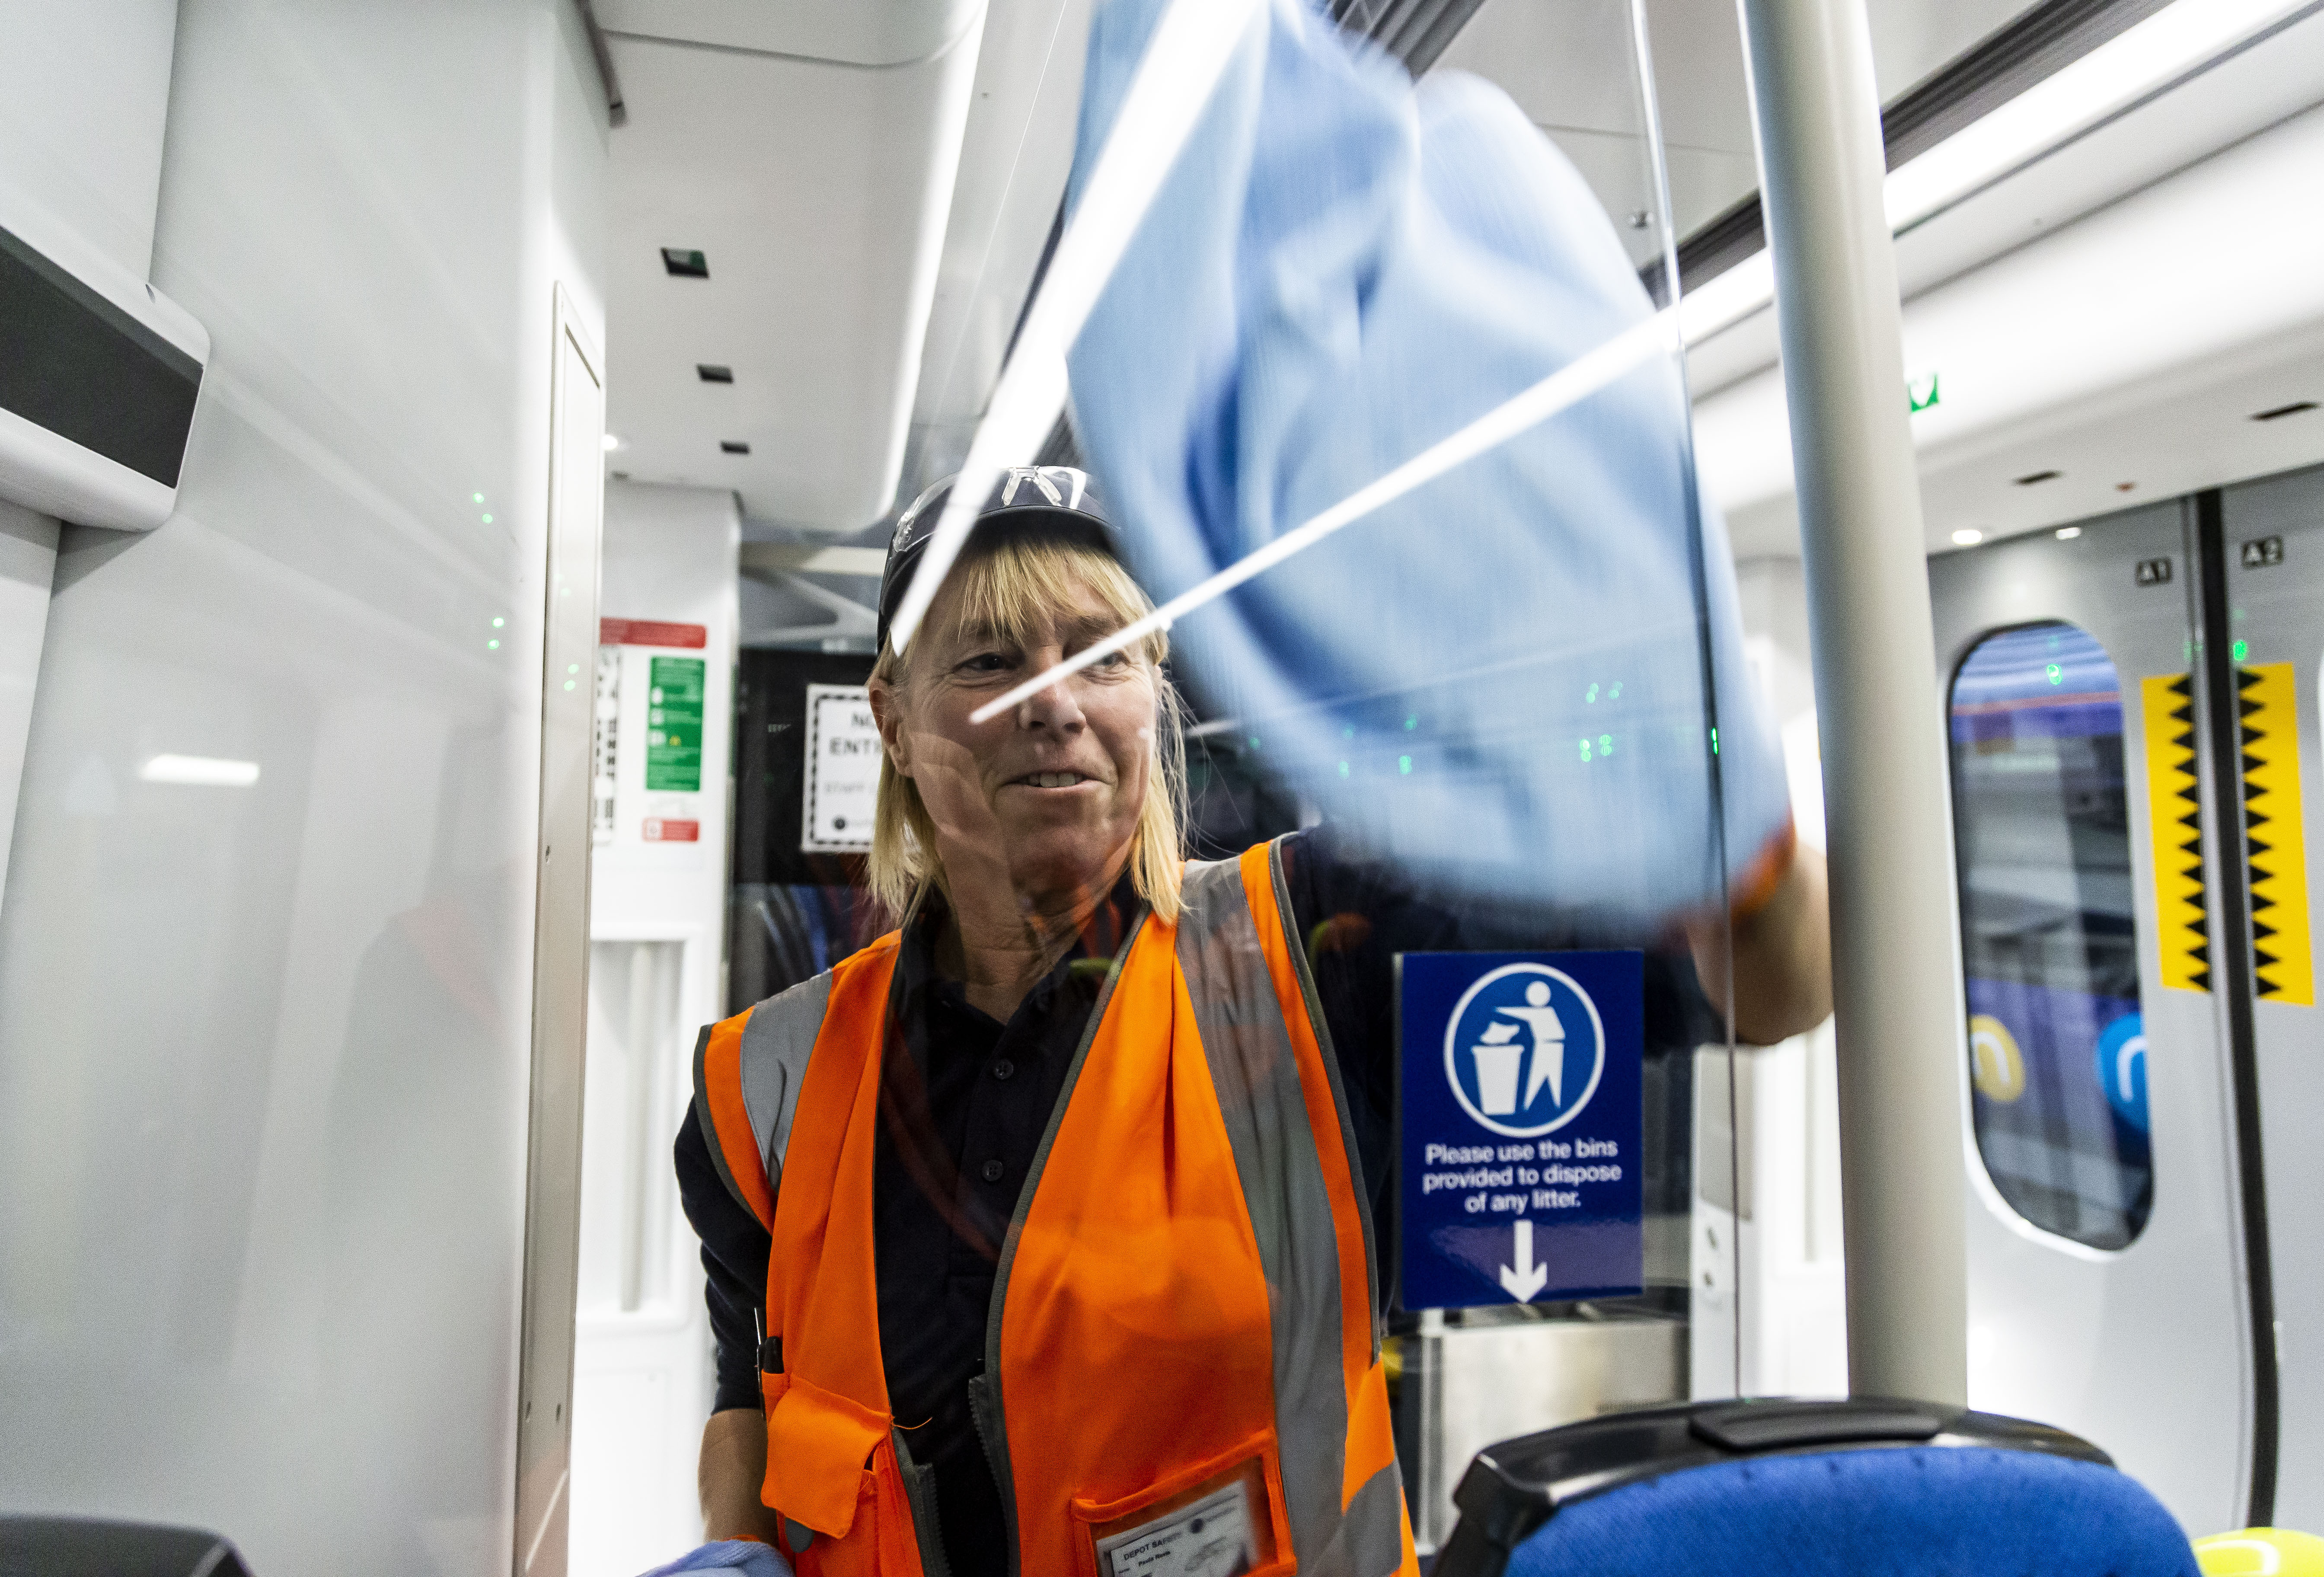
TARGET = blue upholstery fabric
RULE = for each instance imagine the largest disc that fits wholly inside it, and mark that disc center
(1910, 1511)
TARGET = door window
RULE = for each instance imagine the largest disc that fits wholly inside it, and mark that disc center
(2050, 933)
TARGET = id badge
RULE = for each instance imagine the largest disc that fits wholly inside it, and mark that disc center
(1214, 1536)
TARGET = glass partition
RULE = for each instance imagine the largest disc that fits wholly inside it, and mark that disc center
(1386, 422)
(2050, 933)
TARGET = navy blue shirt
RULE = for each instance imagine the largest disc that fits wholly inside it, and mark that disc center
(960, 1120)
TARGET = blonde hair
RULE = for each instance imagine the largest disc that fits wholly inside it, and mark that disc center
(1015, 587)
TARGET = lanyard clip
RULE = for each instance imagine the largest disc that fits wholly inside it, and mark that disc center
(771, 1348)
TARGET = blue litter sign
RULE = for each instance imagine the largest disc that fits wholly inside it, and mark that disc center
(1521, 1142)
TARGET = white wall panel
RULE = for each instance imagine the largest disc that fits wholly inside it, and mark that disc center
(263, 1048)
(28, 563)
(83, 90)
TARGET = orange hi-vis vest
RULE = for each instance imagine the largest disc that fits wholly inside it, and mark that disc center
(1181, 1342)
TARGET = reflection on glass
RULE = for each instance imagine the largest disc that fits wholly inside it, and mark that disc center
(2049, 933)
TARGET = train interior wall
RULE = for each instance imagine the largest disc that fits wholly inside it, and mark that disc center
(265, 1022)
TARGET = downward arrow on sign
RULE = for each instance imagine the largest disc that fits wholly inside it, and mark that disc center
(1525, 1277)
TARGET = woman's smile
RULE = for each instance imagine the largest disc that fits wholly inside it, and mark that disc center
(1052, 781)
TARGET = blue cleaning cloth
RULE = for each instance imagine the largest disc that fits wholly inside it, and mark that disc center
(1500, 679)
(744, 1555)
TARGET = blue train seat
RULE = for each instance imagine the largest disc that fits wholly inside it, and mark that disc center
(1807, 1488)
(89, 1547)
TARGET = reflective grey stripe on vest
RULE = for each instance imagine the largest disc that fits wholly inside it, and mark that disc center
(776, 1045)
(1255, 1071)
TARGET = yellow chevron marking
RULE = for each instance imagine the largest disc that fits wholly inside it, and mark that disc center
(2275, 845)
(2174, 819)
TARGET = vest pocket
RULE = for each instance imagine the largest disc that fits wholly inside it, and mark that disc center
(819, 1454)
(1219, 1516)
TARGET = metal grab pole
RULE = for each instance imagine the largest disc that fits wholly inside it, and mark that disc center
(1896, 939)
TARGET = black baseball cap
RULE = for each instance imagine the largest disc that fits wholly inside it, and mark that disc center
(1049, 502)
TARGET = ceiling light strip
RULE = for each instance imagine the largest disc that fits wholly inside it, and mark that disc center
(1189, 52)
(2180, 42)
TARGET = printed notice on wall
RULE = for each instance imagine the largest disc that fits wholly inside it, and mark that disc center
(1521, 1121)
(843, 770)
(674, 726)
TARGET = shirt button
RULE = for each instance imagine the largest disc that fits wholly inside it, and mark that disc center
(992, 1170)
(1004, 1069)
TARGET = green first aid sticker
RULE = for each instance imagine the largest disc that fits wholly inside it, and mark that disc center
(674, 726)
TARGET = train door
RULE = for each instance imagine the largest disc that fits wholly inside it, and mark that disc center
(2107, 1286)
(2271, 550)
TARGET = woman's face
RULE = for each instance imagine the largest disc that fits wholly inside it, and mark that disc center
(1043, 798)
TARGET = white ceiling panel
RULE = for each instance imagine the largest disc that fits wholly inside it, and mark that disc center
(818, 193)
(856, 33)
(2127, 353)
(1015, 156)
(1569, 65)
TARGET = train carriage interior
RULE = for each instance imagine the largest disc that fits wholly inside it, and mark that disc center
(1700, 960)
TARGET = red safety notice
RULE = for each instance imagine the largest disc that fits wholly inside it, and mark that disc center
(661, 831)
(651, 632)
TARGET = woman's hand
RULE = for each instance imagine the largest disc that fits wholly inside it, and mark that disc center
(1777, 956)
(732, 1469)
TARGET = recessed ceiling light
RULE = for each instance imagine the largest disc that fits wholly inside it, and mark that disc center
(711, 373)
(2294, 409)
(2028, 481)
(2068, 533)
(612, 443)
(728, 445)
(1967, 539)
(680, 263)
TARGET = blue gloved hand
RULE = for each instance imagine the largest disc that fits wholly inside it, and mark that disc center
(1510, 679)
(745, 1555)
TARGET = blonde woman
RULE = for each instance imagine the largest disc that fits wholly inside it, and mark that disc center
(1042, 1229)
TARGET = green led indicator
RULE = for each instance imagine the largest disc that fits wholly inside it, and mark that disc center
(1404, 763)
(1412, 723)
(2057, 674)
(1714, 741)
(1585, 749)
(1615, 693)
(488, 519)
(491, 646)
(1254, 742)
(1605, 745)
(568, 684)
(1590, 696)
(572, 667)
(480, 498)
(2242, 649)
(1344, 769)
(498, 623)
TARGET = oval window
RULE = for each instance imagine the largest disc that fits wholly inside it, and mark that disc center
(2050, 933)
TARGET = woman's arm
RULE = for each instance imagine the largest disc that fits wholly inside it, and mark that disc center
(734, 1466)
(1780, 956)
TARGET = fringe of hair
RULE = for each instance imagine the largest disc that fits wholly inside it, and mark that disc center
(1011, 588)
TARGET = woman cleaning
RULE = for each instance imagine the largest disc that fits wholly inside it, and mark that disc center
(1058, 1193)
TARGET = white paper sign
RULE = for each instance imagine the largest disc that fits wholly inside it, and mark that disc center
(1210, 1538)
(843, 770)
